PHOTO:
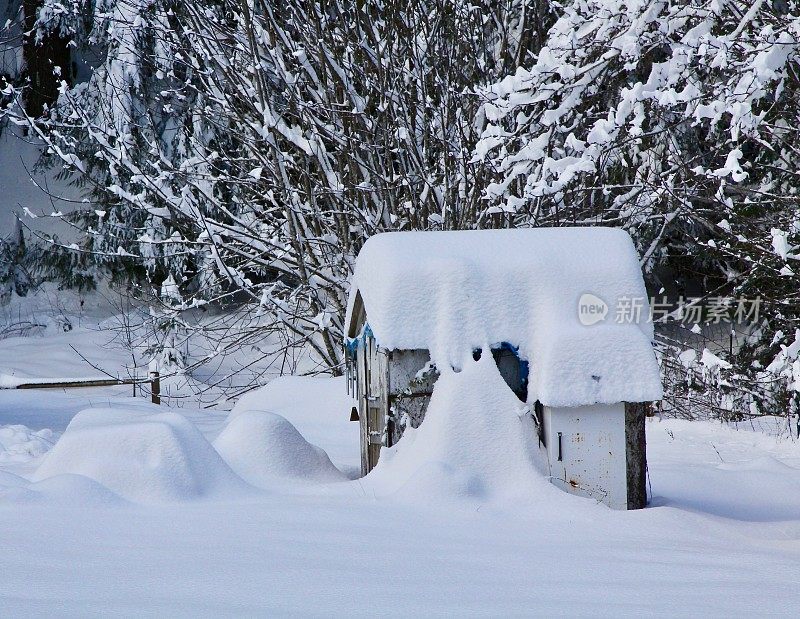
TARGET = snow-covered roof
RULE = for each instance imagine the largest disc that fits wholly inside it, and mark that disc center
(453, 292)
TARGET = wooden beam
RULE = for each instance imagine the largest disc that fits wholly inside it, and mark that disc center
(109, 382)
(154, 380)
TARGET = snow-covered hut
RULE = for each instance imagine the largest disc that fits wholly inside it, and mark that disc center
(564, 313)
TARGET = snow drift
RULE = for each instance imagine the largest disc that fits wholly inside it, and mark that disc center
(67, 490)
(19, 443)
(264, 448)
(318, 407)
(478, 440)
(140, 455)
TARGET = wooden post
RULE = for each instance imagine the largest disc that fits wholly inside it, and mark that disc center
(155, 387)
(636, 453)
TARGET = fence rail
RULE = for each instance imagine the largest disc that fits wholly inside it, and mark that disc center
(154, 380)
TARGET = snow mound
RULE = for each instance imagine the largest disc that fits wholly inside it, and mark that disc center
(318, 407)
(14, 489)
(141, 456)
(477, 441)
(19, 443)
(9, 480)
(62, 489)
(263, 448)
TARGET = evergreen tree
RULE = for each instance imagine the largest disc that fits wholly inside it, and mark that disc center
(677, 121)
(14, 270)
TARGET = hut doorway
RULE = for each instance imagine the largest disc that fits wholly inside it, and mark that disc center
(513, 369)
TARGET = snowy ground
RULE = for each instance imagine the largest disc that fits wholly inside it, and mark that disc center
(143, 510)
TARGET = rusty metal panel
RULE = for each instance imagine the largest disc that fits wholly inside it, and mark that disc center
(587, 451)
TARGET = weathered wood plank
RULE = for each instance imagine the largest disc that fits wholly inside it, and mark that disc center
(636, 453)
(110, 382)
(154, 382)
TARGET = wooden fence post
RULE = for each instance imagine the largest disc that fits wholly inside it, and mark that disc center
(155, 387)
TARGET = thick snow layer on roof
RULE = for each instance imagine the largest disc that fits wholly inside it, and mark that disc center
(452, 292)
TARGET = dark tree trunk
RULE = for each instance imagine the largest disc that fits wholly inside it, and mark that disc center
(41, 58)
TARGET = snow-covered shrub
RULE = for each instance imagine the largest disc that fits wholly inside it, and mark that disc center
(247, 152)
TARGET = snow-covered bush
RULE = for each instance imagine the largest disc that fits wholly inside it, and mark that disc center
(247, 151)
(264, 448)
(649, 115)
